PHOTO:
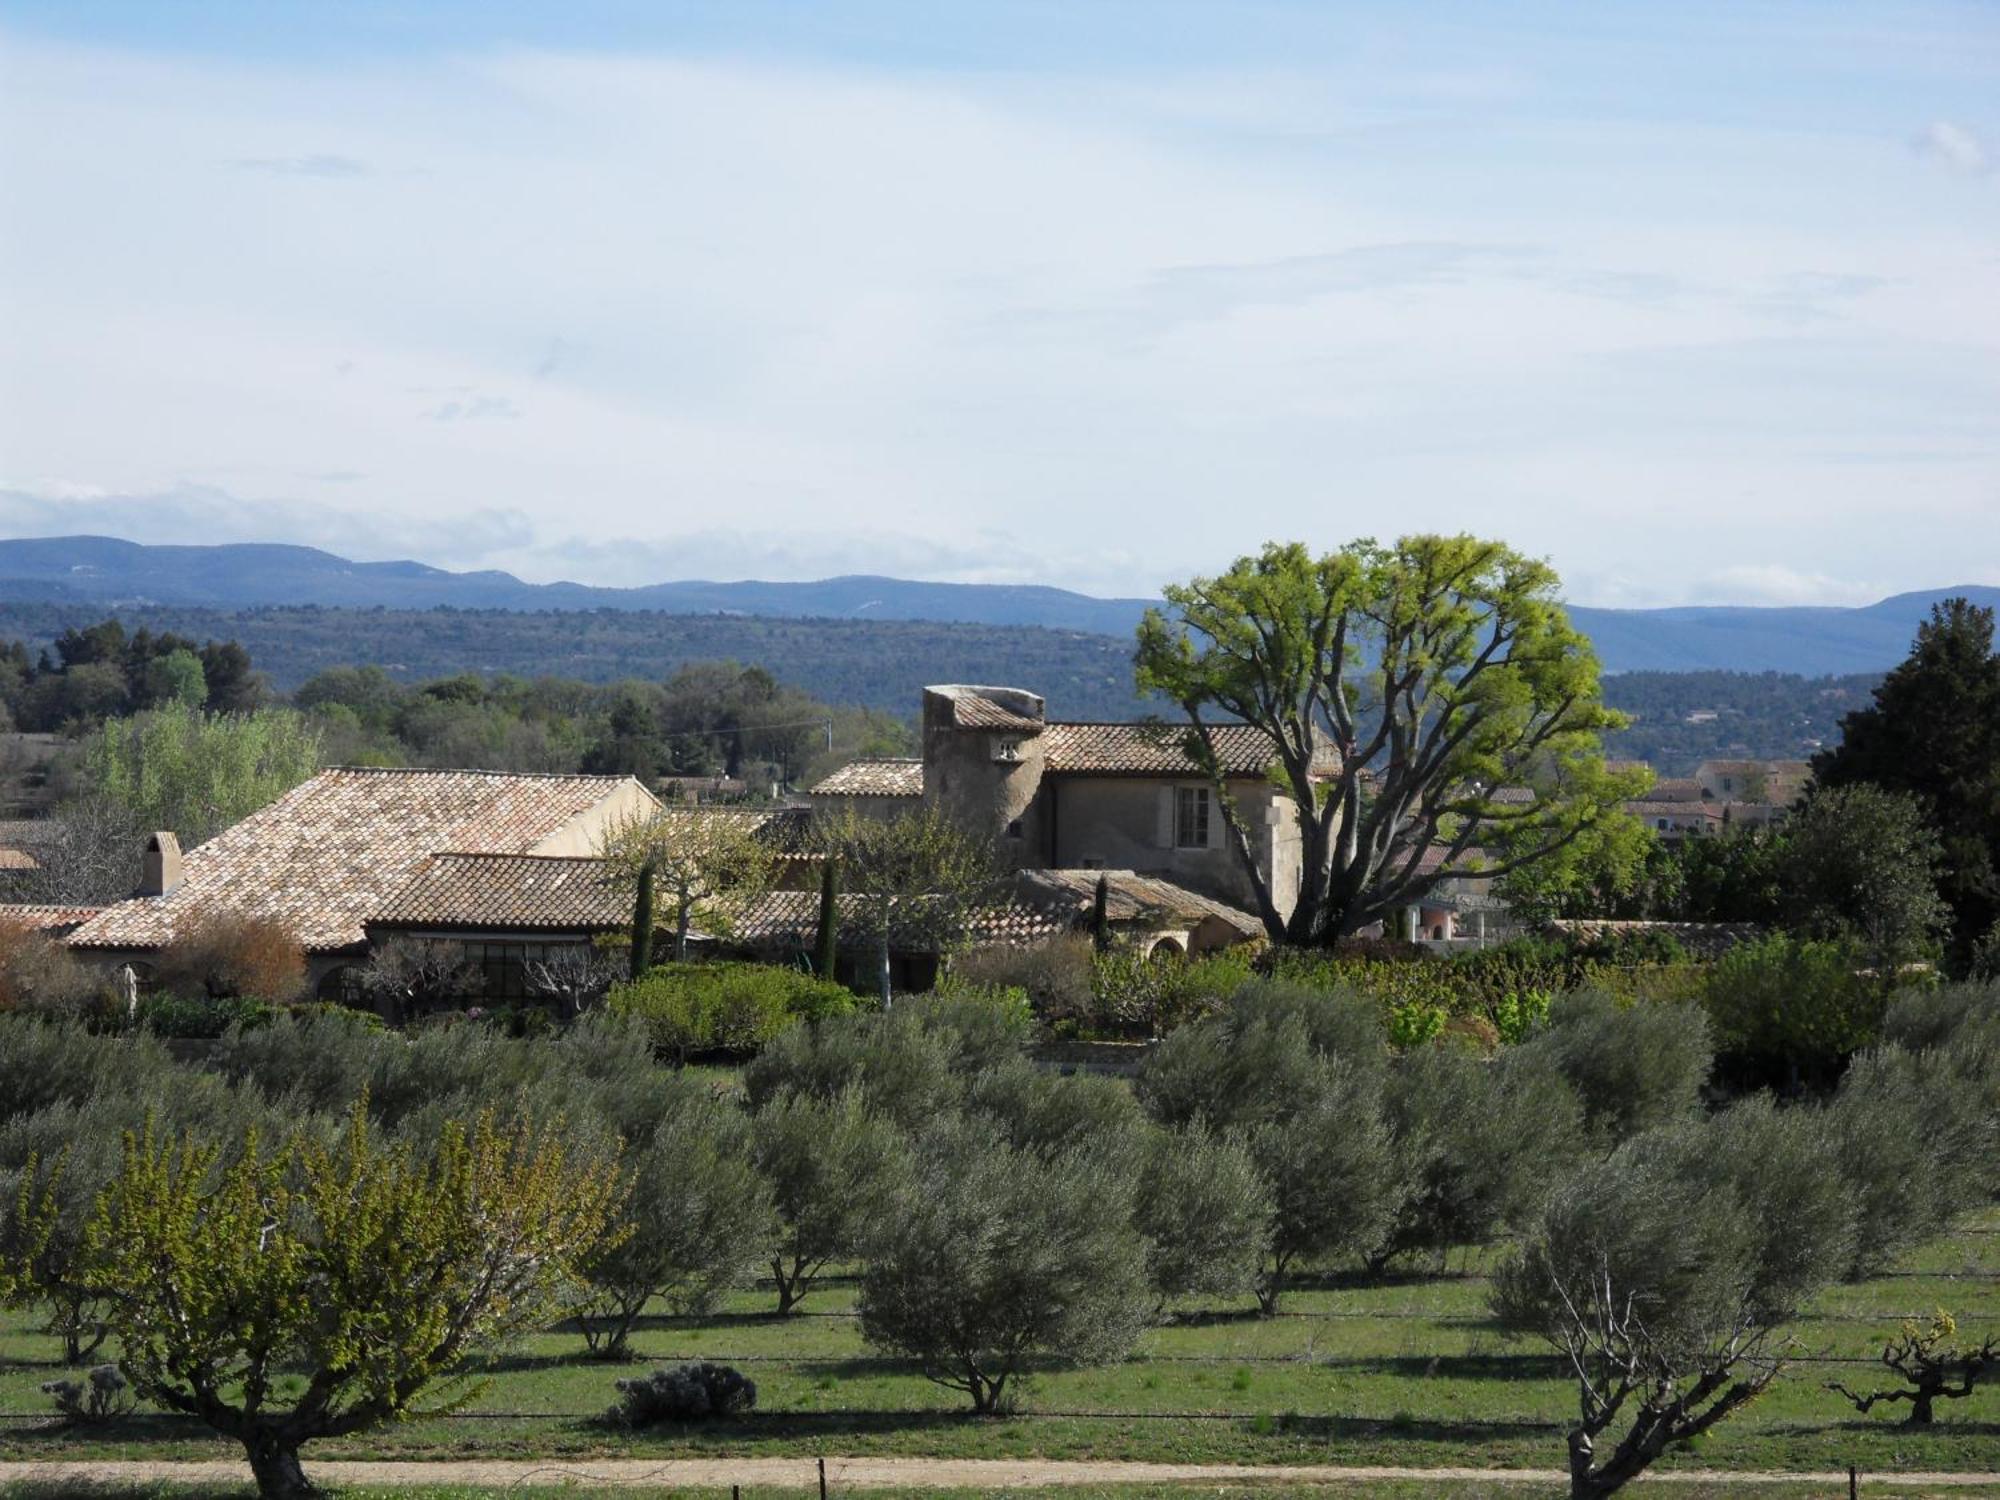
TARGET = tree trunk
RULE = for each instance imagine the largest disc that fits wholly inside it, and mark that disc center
(1920, 1409)
(1581, 1453)
(986, 1391)
(274, 1462)
(882, 961)
(790, 1293)
(1270, 1287)
(681, 931)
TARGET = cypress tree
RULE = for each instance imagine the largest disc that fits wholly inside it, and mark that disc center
(1100, 914)
(826, 950)
(642, 923)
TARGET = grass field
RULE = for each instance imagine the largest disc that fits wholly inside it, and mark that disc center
(1408, 1371)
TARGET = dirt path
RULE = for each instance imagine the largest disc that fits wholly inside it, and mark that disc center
(887, 1473)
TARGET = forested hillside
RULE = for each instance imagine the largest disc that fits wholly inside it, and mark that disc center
(133, 579)
(881, 664)
(1755, 715)
(884, 664)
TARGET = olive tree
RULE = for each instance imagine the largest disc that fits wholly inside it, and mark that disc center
(835, 1171)
(697, 1220)
(1920, 1138)
(1400, 689)
(1331, 1173)
(1254, 1059)
(1633, 1067)
(368, 1272)
(1206, 1212)
(1664, 1275)
(1049, 1113)
(998, 1257)
(901, 1069)
(1299, 1073)
(59, 1160)
(1476, 1144)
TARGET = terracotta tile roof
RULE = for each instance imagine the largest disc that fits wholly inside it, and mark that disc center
(1757, 767)
(975, 711)
(1129, 897)
(790, 919)
(879, 776)
(332, 851)
(1708, 812)
(1512, 796)
(1151, 750)
(514, 892)
(1673, 789)
(46, 918)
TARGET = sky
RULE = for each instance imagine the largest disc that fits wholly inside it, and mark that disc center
(1700, 301)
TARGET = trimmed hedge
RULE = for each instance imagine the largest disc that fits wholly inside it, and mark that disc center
(693, 1009)
(193, 1018)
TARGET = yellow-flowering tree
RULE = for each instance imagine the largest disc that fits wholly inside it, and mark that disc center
(370, 1271)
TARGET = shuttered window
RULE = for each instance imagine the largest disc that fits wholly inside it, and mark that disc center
(1191, 817)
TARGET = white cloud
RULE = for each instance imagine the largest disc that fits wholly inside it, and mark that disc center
(1956, 146)
(1774, 583)
(1101, 331)
(302, 166)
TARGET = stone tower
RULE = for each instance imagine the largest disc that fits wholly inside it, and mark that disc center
(983, 755)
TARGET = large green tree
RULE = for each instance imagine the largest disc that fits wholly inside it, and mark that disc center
(1404, 689)
(196, 773)
(1860, 862)
(1934, 731)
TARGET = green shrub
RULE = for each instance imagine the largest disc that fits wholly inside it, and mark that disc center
(1517, 1015)
(1139, 996)
(985, 1026)
(1415, 1022)
(1508, 987)
(1056, 976)
(1789, 1011)
(191, 1018)
(696, 1008)
(684, 1393)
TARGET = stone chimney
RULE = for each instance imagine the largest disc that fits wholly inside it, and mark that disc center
(161, 871)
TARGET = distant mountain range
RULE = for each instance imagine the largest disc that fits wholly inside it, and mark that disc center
(104, 571)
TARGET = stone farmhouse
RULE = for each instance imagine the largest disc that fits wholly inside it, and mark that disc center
(1059, 795)
(502, 862)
